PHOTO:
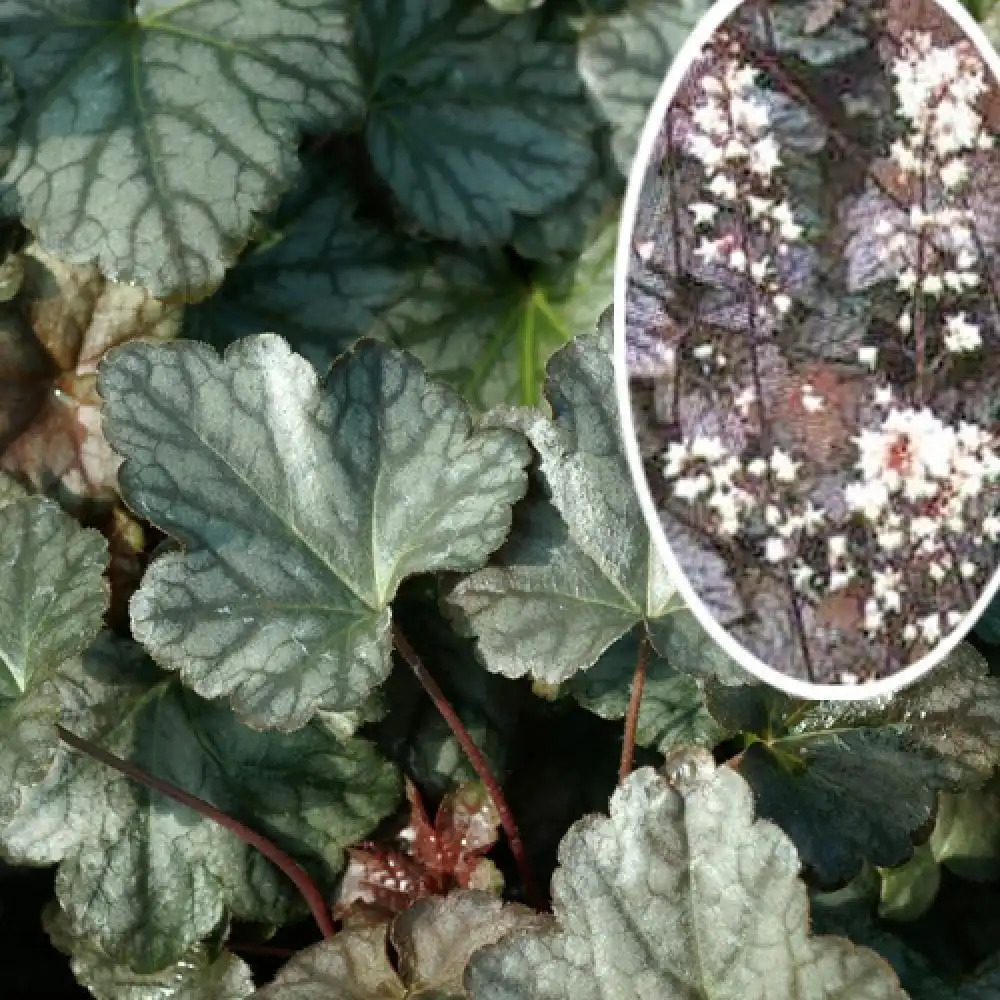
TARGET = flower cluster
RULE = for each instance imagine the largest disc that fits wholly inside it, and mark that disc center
(933, 240)
(864, 503)
(920, 487)
(746, 222)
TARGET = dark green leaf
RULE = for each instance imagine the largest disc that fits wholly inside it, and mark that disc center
(472, 119)
(966, 836)
(152, 133)
(909, 890)
(672, 712)
(579, 571)
(321, 277)
(850, 780)
(301, 508)
(488, 331)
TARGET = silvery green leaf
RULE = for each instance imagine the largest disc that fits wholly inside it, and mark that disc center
(152, 133)
(145, 878)
(680, 893)
(300, 507)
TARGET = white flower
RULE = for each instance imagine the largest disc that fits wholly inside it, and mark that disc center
(837, 547)
(703, 352)
(867, 356)
(801, 575)
(764, 156)
(840, 578)
(783, 467)
(932, 285)
(723, 187)
(738, 260)
(962, 335)
(704, 212)
(930, 627)
(707, 447)
(708, 250)
(757, 468)
(782, 303)
(691, 487)
(675, 459)
(905, 321)
(645, 250)
(811, 401)
(774, 550)
(954, 173)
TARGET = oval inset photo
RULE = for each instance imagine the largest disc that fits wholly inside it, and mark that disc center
(808, 335)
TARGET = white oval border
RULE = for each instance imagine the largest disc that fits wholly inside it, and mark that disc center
(888, 686)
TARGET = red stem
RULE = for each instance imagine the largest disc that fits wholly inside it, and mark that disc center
(632, 715)
(476, 759)
(310, 893)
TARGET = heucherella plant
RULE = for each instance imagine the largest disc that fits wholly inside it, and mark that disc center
(851, 493)
(336, 656)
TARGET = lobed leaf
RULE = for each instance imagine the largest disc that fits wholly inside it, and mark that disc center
(52, 600)
(292, 554)
(473, 120)
(579, 570)
(145, 878)
(153, 133)
(480, 326)
(672, 712)
(850, 781)
(680, 893)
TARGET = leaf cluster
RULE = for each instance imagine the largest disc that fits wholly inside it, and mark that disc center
(314, 476)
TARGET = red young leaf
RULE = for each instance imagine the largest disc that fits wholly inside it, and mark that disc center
(424, 859)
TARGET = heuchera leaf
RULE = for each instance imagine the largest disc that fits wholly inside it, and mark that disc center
(472, 119)
(152, 133)
(579, 570)
(856, 780)
(204, 973)
(300, 507)
(52, 599)
(146, 878)
(681, 893)
(320, 275)
(624, 58)
(487, 331)
(433, 941)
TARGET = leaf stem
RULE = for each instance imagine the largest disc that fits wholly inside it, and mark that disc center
(476, 759)
(634, 704)
(298, 875)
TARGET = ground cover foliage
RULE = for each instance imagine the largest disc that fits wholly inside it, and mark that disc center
(326, 593)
